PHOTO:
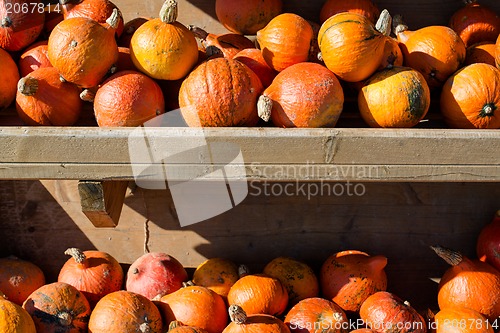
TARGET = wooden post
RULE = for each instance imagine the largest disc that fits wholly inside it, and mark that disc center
(102, 201)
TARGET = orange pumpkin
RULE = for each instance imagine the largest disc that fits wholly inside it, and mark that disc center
(255, 61)
(258, 294)
(468, 277)
(348, 278)
(285, 41)
(58, 307)
(470, 97)
(128, 98)
(14, 319)
(303, 95)
(220, 92)
(124, 62)
(42, 99)
(129, 29)
(94, 273)
(475, 23)
(497, 52)
(82, 50)
(19, 278)
(248, 16)
(21, 23)
(262, 323)
(177, 327)
(125, 311)
(313, 315)
(195, 306)
(163, 48)
(217, 274)
(385, 312)
(36, 56)
(394, 97)
(393, 56)
(435, 51)
(488, 243)
(228, 45)
(8, 85)
(297, 277)
(460, 320)
(481, 52)
(363, 7)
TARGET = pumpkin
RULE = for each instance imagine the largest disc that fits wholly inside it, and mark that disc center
(128, 98)
(195, 306)
(19, 278)
(163, 48)
(470, 97)
(58, 307)
(129, 29)
(82, 50)
(177, 327)
(36, 56)
(363, 7)
(125, 311)
(14, 319)
(262, 323)
(313, 315)
(348, 278)
(460, 320)
(226, 44)
(468, 277)
(475, 23)
(303, 95)
(155, 274)
(246, 17)
(21, 23)
(393, 56)
(42, 99)
(297, 277)
(217, 274)
(488, 243)
(497, 52)
(481, 52)
(385, 312)
(350, 45)
(52, 18)
(255, 61)
(8, 85)
(220, 92)
(259, 293)
(285, 41)
(94, 273)
(394, 97)
(124, 62)
(435, 51)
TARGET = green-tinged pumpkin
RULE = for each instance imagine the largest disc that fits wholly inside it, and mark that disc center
(395, 97)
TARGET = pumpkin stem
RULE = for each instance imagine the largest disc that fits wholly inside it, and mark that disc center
(114, 19)
(243, 270)
(77, 254)
(62, 79)
(452, 257)
(189, 283)
(65, 319)
(320, 57)
(264, 107)
(87, 95)
(169, 11)
(384, 23)
(237, 314)
(398, 24)
(6, 22)
(198, 32)
(27, 86)
(213, 50)
(488, 110)
(174, 324)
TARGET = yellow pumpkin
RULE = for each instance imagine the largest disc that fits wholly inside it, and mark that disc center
(14, 319)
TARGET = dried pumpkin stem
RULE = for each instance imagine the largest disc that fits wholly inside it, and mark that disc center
(398, 24)
(6, 22)
(65, 318)
(174, 324)
(237, 314)
(384, 23)
(450, 256)
(243, 270)
(264, 107)
(198, 32)
(87, 95)
(27, 86)
(77, 254)
(169, 11)
(114, 19)
(189, 283)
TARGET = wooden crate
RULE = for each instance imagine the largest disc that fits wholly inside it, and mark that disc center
(420, 186)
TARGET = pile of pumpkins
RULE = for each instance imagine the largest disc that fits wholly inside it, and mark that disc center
(293, 75)
(94, 294)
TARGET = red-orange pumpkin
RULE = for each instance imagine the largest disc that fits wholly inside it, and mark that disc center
(19, 278)
(129, 29)
(261, 323)
(248, 16)
(128, 98)
(21, 22)
(350, 277)
(124, 62)
(460, 320)
(36, 56)
(227, 45)
(303, 95)
(217, 274)
(481, 52)
(125, 311)
(488, 243)
(58, 307)
(8, 84)
(42, 99)
(255, 61)
(94, 273)
(363, 7)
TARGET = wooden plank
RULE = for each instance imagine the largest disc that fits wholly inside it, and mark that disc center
(102, 201)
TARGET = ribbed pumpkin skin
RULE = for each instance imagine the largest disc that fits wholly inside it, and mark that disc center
(315, 315)
(258, 323)
(195, 306)
(396, 97)
(220, 93)
(8, 85)
(363, 7)
(461, 320)
(350, 46)
(55, 103)
(36, 56)
(217, 274)
(22, 28)
(255, 61)
(285, 41)
(469, 95)
(97, 10)
(14, 319)
(482, 52)
(247, 17)
(58, 307)
(86, 63)
(305, 95)
(125, 311)
(19, 278)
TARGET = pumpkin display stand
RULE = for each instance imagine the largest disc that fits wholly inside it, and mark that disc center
(311, 192)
